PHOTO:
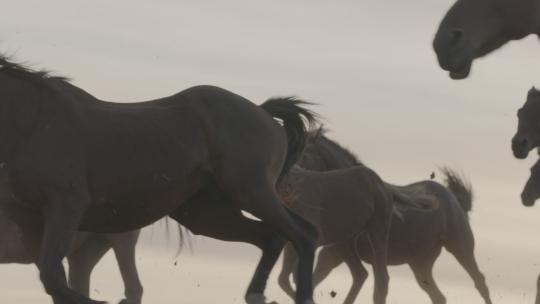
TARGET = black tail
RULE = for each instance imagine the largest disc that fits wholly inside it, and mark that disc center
(297, 121)
(461, 188)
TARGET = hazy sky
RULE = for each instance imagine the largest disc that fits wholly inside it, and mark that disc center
(370, 66)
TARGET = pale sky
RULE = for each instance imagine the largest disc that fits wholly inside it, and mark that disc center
(370, 66)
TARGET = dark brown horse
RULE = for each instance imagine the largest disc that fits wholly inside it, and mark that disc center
(72, 162)
(415, 238)
(475, 28)
(85, 253)
(527, 136)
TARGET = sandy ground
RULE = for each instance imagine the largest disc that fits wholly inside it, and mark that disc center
(200, 276)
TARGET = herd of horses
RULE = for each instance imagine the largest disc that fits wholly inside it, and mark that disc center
(79, 176)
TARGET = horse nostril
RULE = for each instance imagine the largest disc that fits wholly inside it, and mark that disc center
(519, 141)
(455, 36)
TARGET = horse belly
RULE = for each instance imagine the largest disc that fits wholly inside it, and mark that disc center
(130, 209)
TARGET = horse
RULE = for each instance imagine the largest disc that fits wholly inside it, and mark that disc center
(415, 237)
(527, 136)
(344, 204)
(85, 252)
(70, 162)
(474, 28)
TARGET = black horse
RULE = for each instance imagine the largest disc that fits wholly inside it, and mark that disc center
(72, 162)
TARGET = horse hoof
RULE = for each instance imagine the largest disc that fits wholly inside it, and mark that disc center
(255, 298)
(126, 301)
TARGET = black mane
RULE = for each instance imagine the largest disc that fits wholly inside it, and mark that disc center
(322, 153)
(7, 65)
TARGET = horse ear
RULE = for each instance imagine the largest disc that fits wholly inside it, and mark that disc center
(533, 90)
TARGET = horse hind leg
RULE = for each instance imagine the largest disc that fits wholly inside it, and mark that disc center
(290, 261)
(82, 262)
(463, 251)
(378, 240)
(348, 253)
(123, 245)
(264, 203)
(423, 272)
(328, 259)
(214, 216)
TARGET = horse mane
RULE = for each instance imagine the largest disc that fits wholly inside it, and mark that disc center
(319, 141)
(8, 65)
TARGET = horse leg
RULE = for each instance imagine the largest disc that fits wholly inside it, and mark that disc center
(537, 301)
(328, 259)
(423, 272)
(123, 245)
(265, 204)
(359, 273)
(378, 239)
(462, 247)
(61, 220)
(83, 261)
(465, 256)
(290, 260)
(219, 219)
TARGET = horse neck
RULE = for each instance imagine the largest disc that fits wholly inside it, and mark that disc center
(19, 111)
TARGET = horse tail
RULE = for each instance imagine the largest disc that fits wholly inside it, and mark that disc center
(297, 121)
(460, 187)
(406, 199)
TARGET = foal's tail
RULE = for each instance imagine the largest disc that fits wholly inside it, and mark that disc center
(297, 121)
(461, 188)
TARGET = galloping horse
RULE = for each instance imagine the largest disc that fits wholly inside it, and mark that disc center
(474, 28)
(70, 161)
(415, 237)
(85, 253)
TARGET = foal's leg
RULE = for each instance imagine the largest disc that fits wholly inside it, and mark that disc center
(328, 259)
(359, 274)
(123, 245)
(83, 261)
(62, 217)
(423, 272)
(290, 261)
(217, 218)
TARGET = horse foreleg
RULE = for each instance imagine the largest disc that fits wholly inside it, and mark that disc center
(123, 245)
(61, 219)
